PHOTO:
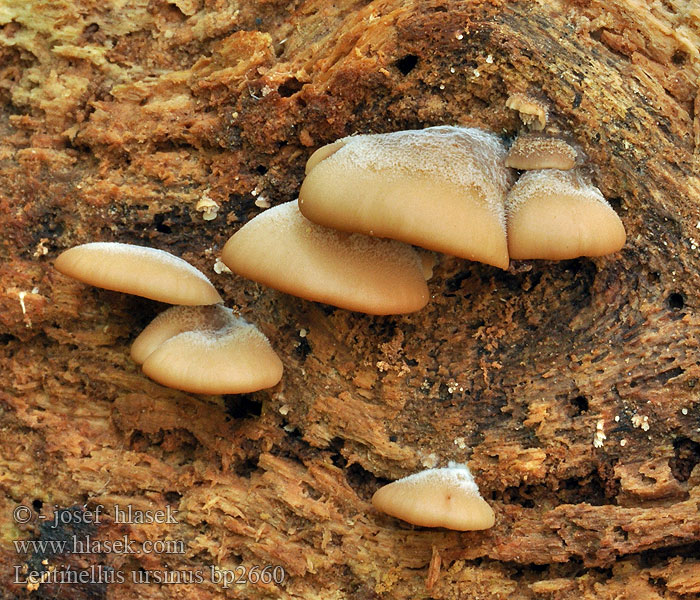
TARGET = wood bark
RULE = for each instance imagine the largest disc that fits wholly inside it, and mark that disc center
(118, 117)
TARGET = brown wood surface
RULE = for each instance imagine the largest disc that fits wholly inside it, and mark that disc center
(118, 117)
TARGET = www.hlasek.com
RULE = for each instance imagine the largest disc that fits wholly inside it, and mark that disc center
(82, 543)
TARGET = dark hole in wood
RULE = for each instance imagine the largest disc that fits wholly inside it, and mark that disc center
(670, 374)
(240, 406)
(581, 404)
(159, 222)
(289, 87)
(337, 458)
(363, 481)
(679, 57)
(675, 301)
(247, 467)
(407, 63)
(686, 457)
(615, 202)
(172, 497)
(6, 338)
(303, 349)
(455, 282)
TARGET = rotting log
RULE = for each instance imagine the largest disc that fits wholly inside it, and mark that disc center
(118, 117)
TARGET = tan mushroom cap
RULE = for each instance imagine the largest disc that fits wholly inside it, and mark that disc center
(206, 350)
(440, 188)
(283, 250)
(324, 152)
(558, 215)
(530, 152)
(446, 497)
(138, 270)
(180, 319)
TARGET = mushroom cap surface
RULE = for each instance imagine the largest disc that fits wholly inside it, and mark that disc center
(283, 250)
(206, 350)
(540, 152)
(557, 215)
(447, 497)
(440, 188)
(324, 152)
(138, 270)
(180, 319)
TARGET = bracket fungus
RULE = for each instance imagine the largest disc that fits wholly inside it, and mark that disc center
(282, 249)
(441, 188)
(138, 270)
(531, 151)
(558, 215)
(206, 350)
(447, 497)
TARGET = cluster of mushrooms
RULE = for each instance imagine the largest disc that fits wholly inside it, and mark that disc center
(365, 202)
(199, 346)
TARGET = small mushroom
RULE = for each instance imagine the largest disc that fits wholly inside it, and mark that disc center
(557, 215)
(441, 188)
(138, 270)
(283, 250)
(532, 112)
(447, 497)
(206, 350)
(530, 152)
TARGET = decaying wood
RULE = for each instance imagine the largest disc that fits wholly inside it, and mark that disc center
(118, 118)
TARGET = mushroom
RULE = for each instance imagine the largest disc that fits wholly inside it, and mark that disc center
(440, 188)
(139, 270)
(206, 350)
(281, 249)
(532, 112)
(558, 215)
(447, 497)
(531, 151)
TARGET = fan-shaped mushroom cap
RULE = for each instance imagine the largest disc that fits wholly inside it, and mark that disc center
(206, 350)
(557, 215)
(437, 498)
(281, 249)
(139, 270)
(441, 188)
(540, 152)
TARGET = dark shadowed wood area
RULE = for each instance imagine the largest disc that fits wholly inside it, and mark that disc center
(118, 117)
